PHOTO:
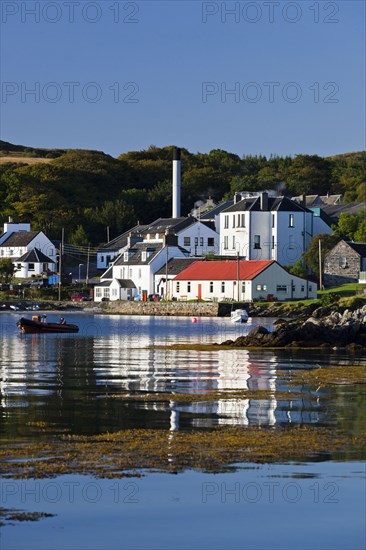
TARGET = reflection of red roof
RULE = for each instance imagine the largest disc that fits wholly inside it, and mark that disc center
(226, 270)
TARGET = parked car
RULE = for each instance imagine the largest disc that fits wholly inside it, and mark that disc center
(80, 297)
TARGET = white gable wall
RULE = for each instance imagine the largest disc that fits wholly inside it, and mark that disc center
(198, 235)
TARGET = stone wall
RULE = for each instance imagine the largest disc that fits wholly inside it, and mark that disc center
(334, 273)
(184, 309)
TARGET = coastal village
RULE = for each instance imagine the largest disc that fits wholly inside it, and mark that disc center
(240, 250)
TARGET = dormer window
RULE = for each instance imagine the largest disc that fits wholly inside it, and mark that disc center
(125, 257)
(144, 256)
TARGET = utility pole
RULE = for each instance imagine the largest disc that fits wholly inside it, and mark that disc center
(238, 275)
(60, 264)
(166, 268)
(320, 266)
(87, 266)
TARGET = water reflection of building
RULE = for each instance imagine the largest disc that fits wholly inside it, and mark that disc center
(184, 371)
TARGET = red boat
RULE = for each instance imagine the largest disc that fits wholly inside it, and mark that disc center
(38, 325)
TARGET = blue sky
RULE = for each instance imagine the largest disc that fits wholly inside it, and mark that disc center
(120, 76)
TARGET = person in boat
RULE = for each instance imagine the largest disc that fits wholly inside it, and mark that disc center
(62, 321)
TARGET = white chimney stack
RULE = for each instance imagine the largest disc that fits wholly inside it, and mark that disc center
(176, 183)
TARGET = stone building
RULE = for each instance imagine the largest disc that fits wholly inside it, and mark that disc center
(344, 263)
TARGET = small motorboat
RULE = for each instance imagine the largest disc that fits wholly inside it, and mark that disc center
(239, 316)
(38, 324)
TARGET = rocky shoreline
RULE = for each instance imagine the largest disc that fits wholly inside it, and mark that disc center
(324, 328)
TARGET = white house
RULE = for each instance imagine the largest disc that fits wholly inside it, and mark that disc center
(267, 228)
(17, 241)
(107, 253)
(135, 269)
(240, 280)
(195, 236)
(32, 263)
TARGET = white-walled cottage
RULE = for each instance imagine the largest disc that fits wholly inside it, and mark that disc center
(136, 267)
(33, 263)
(240, 280)
(31, 252)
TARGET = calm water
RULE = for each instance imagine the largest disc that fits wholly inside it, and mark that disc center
(68, 381)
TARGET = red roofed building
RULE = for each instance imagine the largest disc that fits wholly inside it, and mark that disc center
(244, 281)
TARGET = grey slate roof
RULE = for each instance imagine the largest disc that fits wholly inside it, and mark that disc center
(174, 225)
(121, 241)
(360, 248)
(135, 253)
(275, 204)
(334, 211)
(176, 265)
(20, 238)
(124, 283)
(35, 256)
(215, 211)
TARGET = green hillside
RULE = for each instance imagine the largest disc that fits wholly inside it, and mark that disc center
(86, 191)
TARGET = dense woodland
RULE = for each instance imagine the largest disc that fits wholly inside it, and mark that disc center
(86, 191)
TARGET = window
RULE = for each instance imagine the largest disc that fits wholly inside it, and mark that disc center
(201, 241)
(281, 288)
(143, 256)
(102, 259)
(302, 288)
(226, 222)
(187, 241)
(273, 242)
(291, 242)
(125, 257)
(243, 287)
(114, 292)
(139, 272)
(98, 292)
(234, 220)
(257, 241)
(291, 220)
(106, 292)
(19, 266)
(211, 286)
(243, 220)
(261, 287)
(210, 241)
(310, 288)
(226, 242)
(130, 274)
(196, 241)
(30, 267)
(222, 287)
(189, 286)
(234, 241)
(239, 220)
(177, 288)
(343, 262)
(273, 220)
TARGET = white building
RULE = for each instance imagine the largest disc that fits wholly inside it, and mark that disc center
(110, 251)
(135, 269)
(268, 228)
(243, 281)
(195, 236)
(31, 252)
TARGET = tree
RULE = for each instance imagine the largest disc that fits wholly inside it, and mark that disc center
(79, 237)
(7, 270)
(298, 269)
(351, 227)
(311, 256)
